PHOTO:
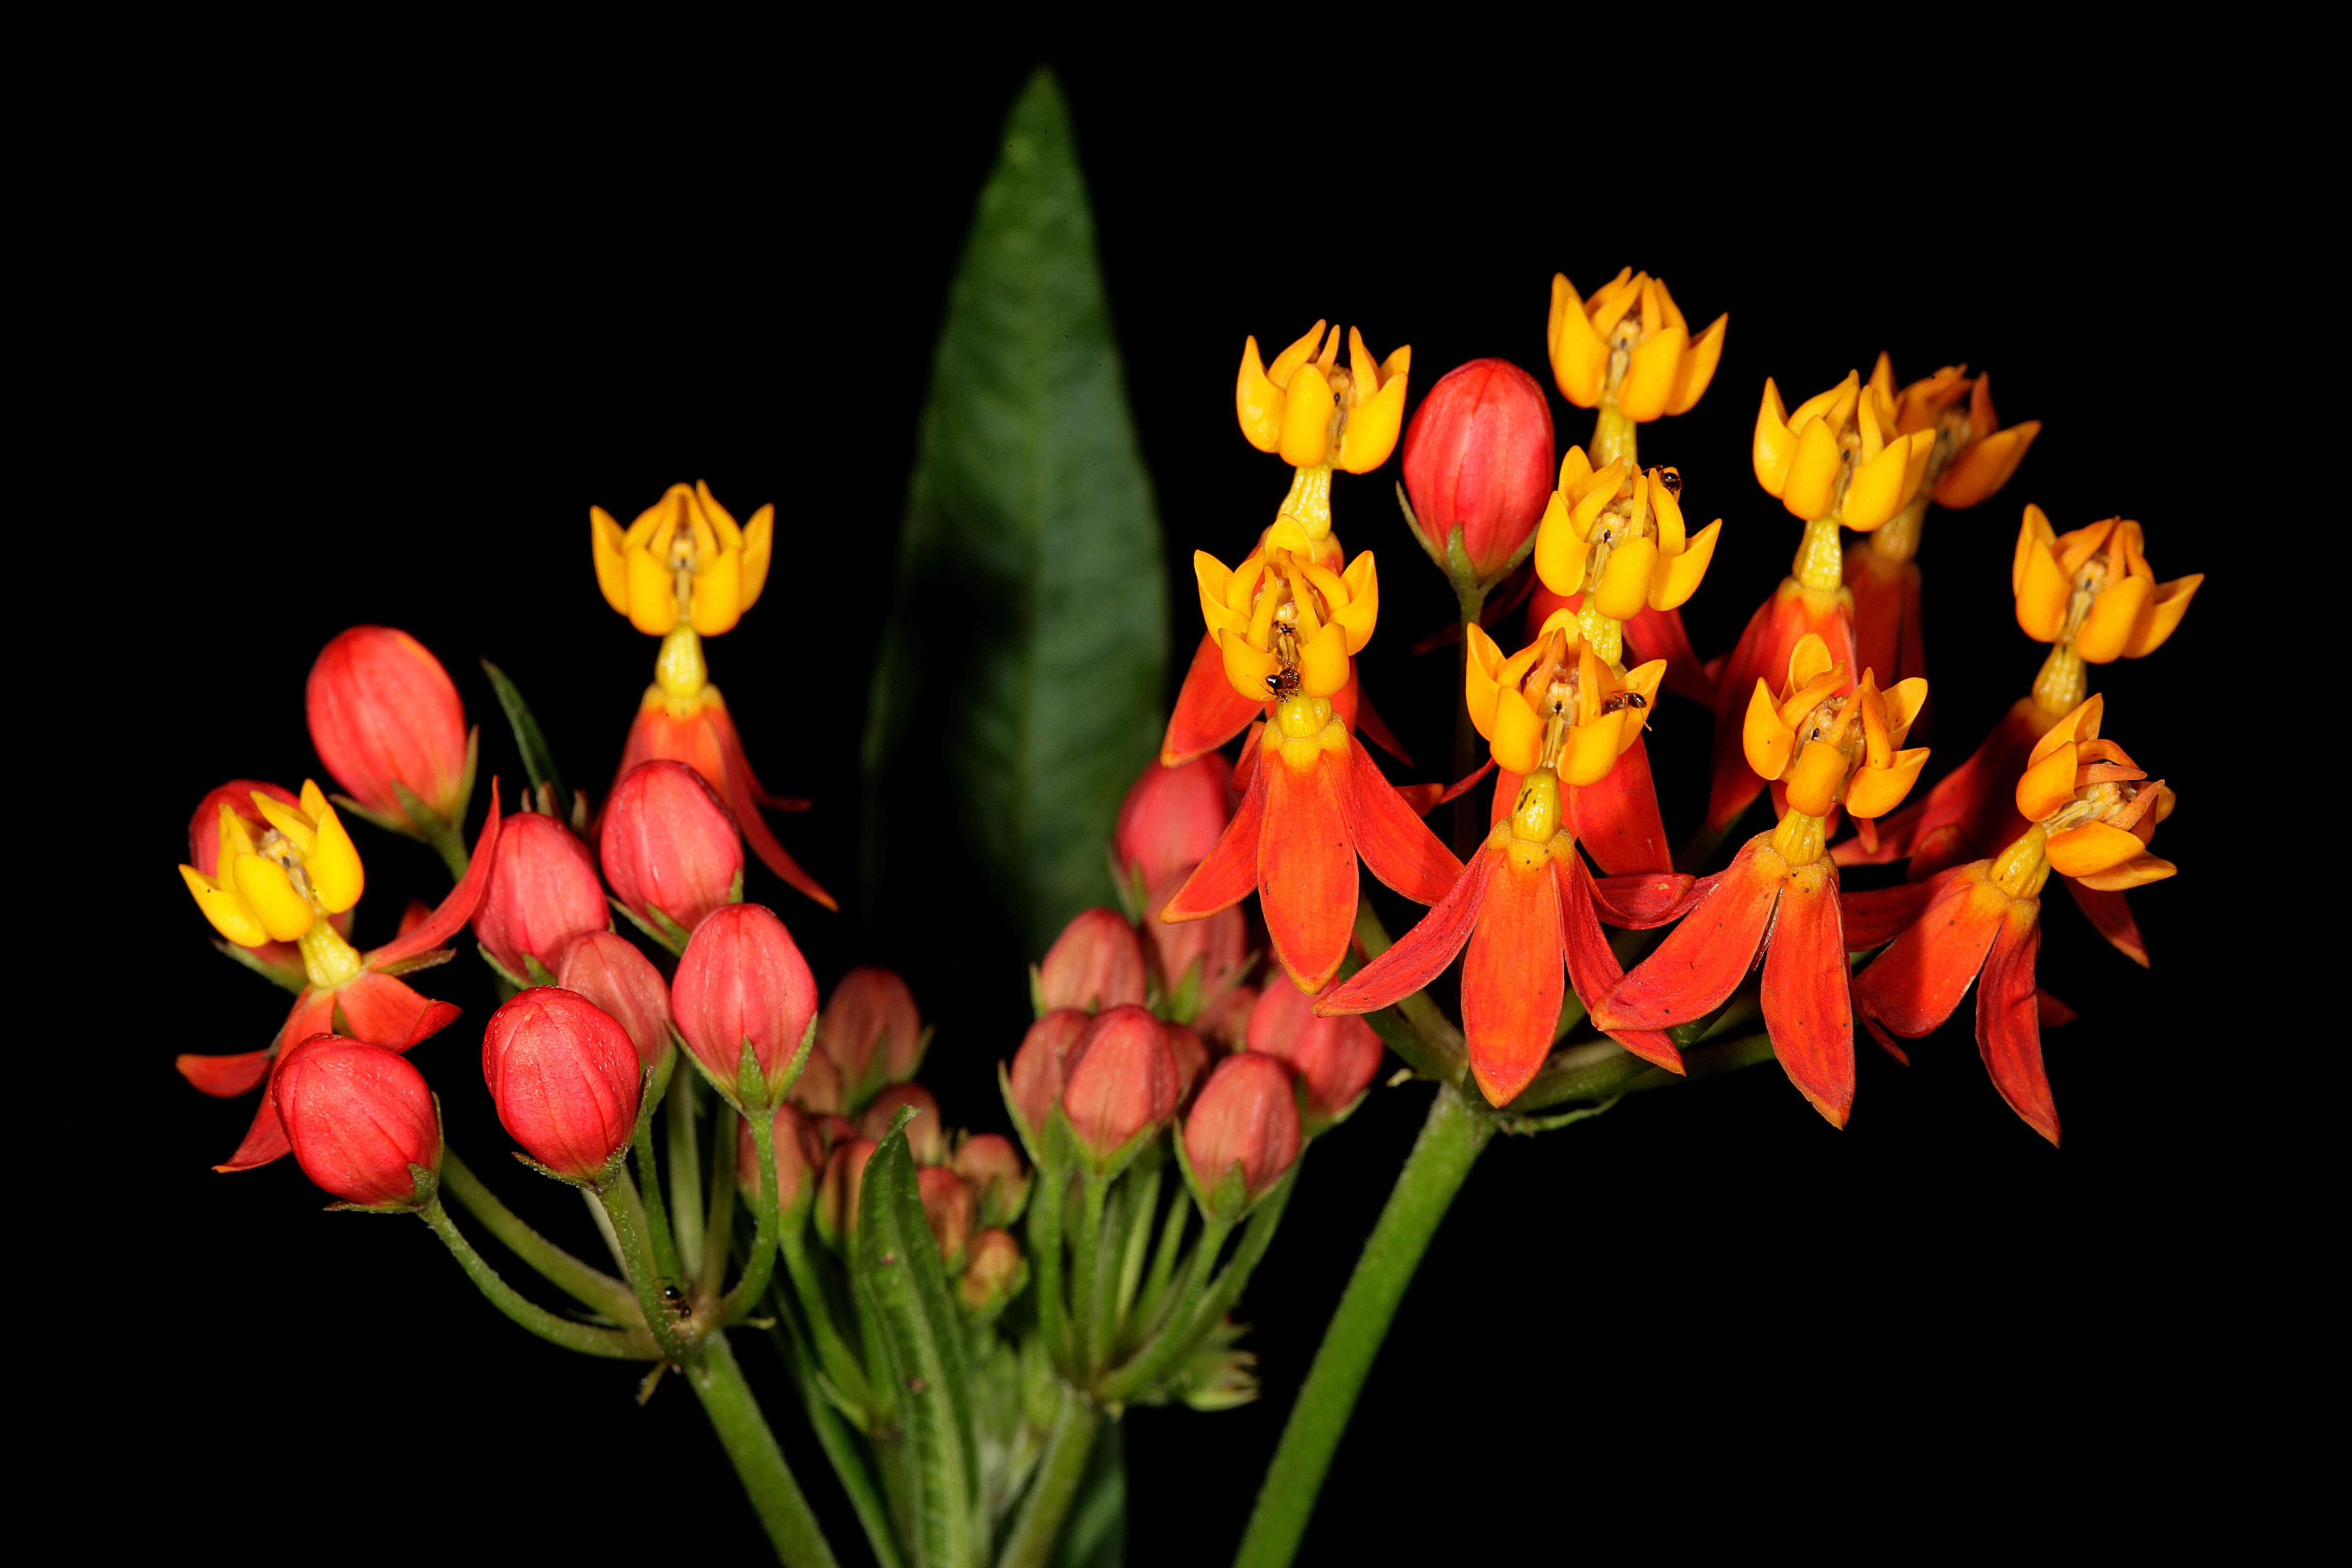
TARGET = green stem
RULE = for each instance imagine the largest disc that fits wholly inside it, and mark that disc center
(450, 845)
(620, 1207)
(743, 1432)
(1163, 1264)
(1450, 1142)
(657, 1216)
(833, 1437)
(588, 1339)
(1255, 1239)
(833, 1353)
(1142, 1208)
(591, 1286)
(1055, 1484)
(718, 1222)
(685, 1168)
(761, 1265)
(1750, 1050)
(1086, 1268)
(1176, 1335)
(1589, 1071)
(1045, 1251)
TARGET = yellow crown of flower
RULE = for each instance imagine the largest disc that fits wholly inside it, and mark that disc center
(1627, 549)
(2092, 587)
(1974, 456)
(1841, 451)
(2096, 806)
(1316, 414)
(303, 868)
(1629, 345)
(1288, 619)
(1808, 739)
(683, 559)
(1556, 703)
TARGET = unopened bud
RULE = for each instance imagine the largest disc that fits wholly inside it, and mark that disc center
(800, 1162)
(543, 894)
(385, 717)
(1216, 945)
(1335, 1058)
(358, 1117)
(870, 1032)
(1124, 1086)
(1096, 962)
(994, 1273)
(999, 1183)
(743, 978)
(668, 845)
(1173, 818)
(1223, 1022)
(1247, 1115)
(1191, 1053)
(926, 1139)
(608, 970)
(949, 1209)
(565, 1077)
(1042, 1067)
(1479, 457)
(836, 1200)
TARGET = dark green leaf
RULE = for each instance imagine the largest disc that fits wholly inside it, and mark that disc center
(1019, 687)
(1095, 1535)
(538, 761)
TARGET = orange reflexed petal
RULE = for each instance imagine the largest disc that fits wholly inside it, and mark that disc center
(2137, 871)
(2106, 630)
(1307, 865)
(1806, 1008)
(2047, 786)
(1875, 792)
(2009, 1021)
(2091, 848)
(1812, 784)
(1209, 710)
(1913, 986)
(2158, 620)
(1705, 958)
(1512, 975)
(1390, 837)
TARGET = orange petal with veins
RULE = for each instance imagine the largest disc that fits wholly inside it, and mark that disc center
(1208, 712)
(2009, 1023)
(1395, 843)
(1591, 966)
(1511, 976)
(1913, 986)
(1617, 819)
(1229, 875)
(1420, 954)
(1807, 1009)
(1307, 864)
(1703, 959)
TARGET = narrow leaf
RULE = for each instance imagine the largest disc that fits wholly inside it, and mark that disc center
(538, 761)
(1019, 687)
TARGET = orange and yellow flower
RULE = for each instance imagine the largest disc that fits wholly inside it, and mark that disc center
(2092, 587)
(1628, 346)
(1317, 415)
(1841, 454)
(1617, 537)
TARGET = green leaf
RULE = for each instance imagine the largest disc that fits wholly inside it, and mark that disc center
(537, 759)
(1019, 687)
(900, 1279)
(1095, 1534)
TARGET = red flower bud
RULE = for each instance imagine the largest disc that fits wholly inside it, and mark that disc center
(1096, 962)
(800, 1160)
(609, 971)
(1477, 457)
(1218, 945)
(1335, 1058)
(992, 1272)
(1191, 1053)
(1225, 1022)
(1042, 1067)
(742, 978)
(1000, 1183)
(926, 1140)
(1173, 818)
(668, 843)
(543, 893)
(565, 1077)
(1124, 1083)
(820, 1091)
(1247, 1112)
(357, 1116)
(948, 1206)
(383, 713)
(836, 1200)
(871, 1032)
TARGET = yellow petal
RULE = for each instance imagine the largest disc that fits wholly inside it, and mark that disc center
(1559, 554)
(1323, 662)
(2081, 723)
(1697, 368)
(284, 913)
(2137, 871)
(2107, 629)
(1612, 299)
(1598, 491)
(717, 596)
(2041, 589)
(1644, 679)
(2034, 529)
(313, 799)
(1904, 700)
(1241, 588)
(1306, 419)
(2047, 785)
(604, 544)
(2163, 613)
(1766, 741)
(1363, 611)
(1877, 748)
(1875, 492)
(230, 915)
(1285, 364)
(1363, 369)
(1808, 661)
(336, 877)
(1882, 377)
(1517, 737)
(1478, 688)
(1249, 669)
(1592, 749)
(1875, 792)
(653, 596)
(2091, 848)
(286, 820)
(1812, 784)
(1649, 383)
(1776, 445)
(1578, 357)
(1261, 621)
(1833, 405)
(1811, 488)
(722, 522)
(233, 839)
(1257, 402)
(1983, 466)
(1673, 585)
(1211, 577)
(759, 540)
(1307, 622)
(1575, 468)
(1372, 430)
(1625, 585)
(1666, 510)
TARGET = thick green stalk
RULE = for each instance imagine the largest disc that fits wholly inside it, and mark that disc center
(656, 1216)
(586, 1338)
(1086, 1269)
(1045, 1212)
(685, 1172)
(1055, 1483)
(761, 1266)
(839, 1362)
(620, 1204)
(834, 1435)
(1176, 1335)
(743, 1432)
(591, 1286)
(1450, 1142)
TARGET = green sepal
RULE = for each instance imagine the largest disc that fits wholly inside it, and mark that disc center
(538, 760)
(295, 984)
(431, 958)
(661, 929)
(898, 1275)
(1037, 991)
(734, 891)
(429, 1186)
(505, 976)
(537, 970)
(1420, 536)
(1228, 1202)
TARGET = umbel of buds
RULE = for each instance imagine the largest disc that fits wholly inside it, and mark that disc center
(742, 986)
(669, 848)
(799, 1164)
(868, 1036)
(385, 719)
(1478, 458)
(565, 1077)
(359, 1118)
(543, 893)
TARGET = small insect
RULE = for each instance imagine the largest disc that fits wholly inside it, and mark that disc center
(1673, 480)
(675, 1299)
(1284, 682)
(1620, 700)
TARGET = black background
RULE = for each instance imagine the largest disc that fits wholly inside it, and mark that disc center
(373, 371)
